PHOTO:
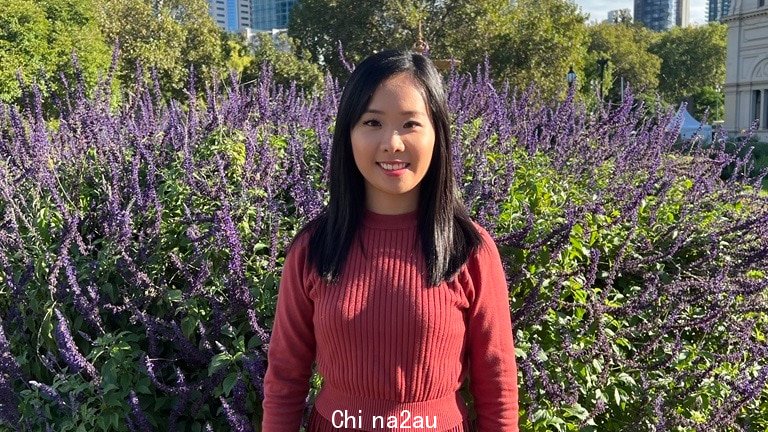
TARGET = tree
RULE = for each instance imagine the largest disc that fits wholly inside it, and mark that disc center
(692, 58)
(169, 36)
(286, 66)
(541, 41)
(38, 39)
(625, 46)
(708, 101)
(453, 28)
(526, 40)
(236, 54)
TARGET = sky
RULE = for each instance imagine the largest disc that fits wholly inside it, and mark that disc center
(598, 9)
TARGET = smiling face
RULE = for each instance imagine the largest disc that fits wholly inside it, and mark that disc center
(392, 144)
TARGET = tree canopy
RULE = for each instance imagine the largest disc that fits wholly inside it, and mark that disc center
(526, 40)
(38, 39)
(692, 59)
(625, 46)
(286, 65)
(454, 28)
(541, 41)
(170, 37)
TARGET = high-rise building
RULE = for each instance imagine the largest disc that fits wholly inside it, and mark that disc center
(619, 15)
(718, 9)
(661, 15)
(271, 14)
(683, 13)
(231, 15)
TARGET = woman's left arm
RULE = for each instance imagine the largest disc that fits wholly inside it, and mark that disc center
(492, 366)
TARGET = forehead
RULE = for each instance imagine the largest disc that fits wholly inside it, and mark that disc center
(400, 91)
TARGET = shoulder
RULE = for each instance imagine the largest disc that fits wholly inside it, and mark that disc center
(298, 271)
(483, 275)
(297, 252)
(302, 241)
(481, 258)
(487, 243)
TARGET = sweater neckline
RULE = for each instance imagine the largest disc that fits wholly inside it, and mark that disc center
(395, 221)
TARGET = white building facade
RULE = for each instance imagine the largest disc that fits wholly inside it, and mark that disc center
(746, 76)
(619, 15)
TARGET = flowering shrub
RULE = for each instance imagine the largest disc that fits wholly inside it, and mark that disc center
(141, 248)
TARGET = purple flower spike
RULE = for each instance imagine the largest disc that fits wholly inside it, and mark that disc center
(9, 411)
(68, 349)
(237, 422)
(140, 420)
(49, 392)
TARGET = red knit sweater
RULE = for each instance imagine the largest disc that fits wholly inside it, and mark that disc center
(391, 349)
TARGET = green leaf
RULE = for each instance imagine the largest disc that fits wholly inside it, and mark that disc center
(218, 361)
(174, 295)
(188, 325)
(229, 382)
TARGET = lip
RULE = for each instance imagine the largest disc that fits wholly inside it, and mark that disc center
(394, 173)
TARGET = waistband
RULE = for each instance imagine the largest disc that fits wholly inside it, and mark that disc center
(355, 412)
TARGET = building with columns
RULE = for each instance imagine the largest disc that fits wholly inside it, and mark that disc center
(746, 75)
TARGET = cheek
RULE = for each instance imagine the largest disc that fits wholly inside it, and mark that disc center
(427, 154)
(360, 151)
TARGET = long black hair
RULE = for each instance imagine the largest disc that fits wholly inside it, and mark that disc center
(446, 232)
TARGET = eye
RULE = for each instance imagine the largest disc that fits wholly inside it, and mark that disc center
(372, 123)
(411, 124)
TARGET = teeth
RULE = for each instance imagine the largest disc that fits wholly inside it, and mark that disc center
(394, 166)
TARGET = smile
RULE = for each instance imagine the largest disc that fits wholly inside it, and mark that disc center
(393, 166)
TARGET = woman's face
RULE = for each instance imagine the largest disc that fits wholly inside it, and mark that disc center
(392, 143)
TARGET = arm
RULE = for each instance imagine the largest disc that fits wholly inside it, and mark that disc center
(291, 347)
(492, 366)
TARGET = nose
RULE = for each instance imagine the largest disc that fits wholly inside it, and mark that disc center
(393, 142)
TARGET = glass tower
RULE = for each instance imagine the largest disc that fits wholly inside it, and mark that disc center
(271, 14)
(718, 9)
(661, 15)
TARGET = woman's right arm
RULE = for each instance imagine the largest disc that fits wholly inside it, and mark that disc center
(291, 348)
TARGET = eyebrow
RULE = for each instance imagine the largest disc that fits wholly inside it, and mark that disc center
(373, 111)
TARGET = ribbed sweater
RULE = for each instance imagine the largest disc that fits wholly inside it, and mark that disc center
(388, 345)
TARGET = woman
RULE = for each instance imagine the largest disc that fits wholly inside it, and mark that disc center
(393, 290)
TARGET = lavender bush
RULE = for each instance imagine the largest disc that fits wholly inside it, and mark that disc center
(141, 247)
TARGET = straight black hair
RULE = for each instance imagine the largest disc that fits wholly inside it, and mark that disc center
(446, 232)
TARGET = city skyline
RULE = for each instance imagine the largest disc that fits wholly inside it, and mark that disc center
(598, 9)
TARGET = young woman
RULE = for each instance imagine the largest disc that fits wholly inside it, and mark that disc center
(393, 290)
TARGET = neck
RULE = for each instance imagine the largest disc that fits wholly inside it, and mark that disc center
(392, 205)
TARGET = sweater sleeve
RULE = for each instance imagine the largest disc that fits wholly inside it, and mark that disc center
(492, 366)
(291, 347)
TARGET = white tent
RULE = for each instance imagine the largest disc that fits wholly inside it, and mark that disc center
(691, 126)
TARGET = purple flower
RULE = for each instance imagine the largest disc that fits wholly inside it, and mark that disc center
(9, 411)
(8, 363)
(237, 422)
(137, 417)
(68, 350)
(49, 392)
